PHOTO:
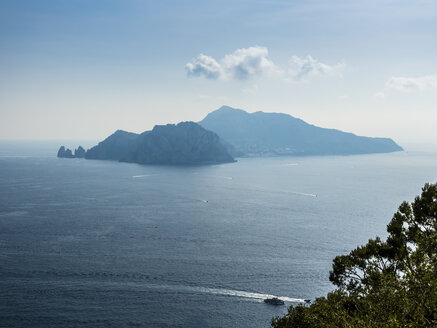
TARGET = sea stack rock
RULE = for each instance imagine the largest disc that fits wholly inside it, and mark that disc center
(61, 151)
(65, 153)
(79, 152)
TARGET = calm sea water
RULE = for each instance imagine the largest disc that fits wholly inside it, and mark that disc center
(106, 244)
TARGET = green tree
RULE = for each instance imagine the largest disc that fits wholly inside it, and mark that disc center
(391, 283)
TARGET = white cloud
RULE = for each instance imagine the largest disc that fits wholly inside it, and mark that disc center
(241, 64)
(412, 83)
(247, 62)
(204, 66)
(308, 66)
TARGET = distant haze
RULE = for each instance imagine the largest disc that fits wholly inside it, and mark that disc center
(83, 69)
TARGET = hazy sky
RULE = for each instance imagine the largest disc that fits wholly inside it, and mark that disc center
(82, 69)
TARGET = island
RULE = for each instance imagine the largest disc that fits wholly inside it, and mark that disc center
(271, 134)
(181, 144)
(227, 133)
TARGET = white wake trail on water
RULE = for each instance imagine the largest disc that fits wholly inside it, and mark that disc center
(244, 294)
(225, 292)
(303, 194)
(143, 175)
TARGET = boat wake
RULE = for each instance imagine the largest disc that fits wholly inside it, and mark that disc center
(110, 279)
(303, 194)
(226, 292)
(244, 294)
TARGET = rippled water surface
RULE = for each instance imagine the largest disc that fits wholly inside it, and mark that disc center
(105, 244)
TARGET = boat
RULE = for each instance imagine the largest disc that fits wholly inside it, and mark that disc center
(274, 301)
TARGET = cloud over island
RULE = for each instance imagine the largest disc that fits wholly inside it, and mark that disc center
(244, 63)
(241, 65)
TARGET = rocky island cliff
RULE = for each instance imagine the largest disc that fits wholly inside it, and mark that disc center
(182, 144)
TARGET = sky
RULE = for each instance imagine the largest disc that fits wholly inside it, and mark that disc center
(81, 69)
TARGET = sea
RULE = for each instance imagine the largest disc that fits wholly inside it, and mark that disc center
(89, 243)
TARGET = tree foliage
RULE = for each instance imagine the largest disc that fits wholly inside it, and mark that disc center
(391, 283)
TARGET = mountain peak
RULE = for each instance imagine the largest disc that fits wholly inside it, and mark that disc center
(228, 109)
(225, 107)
